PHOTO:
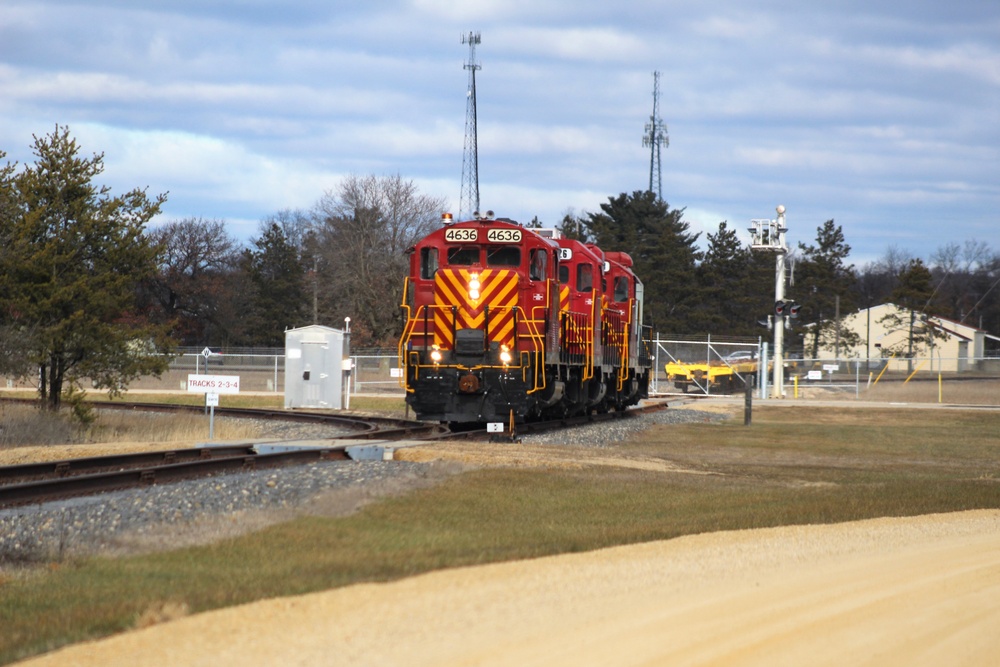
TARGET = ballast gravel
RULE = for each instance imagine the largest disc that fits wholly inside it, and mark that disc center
(104, 523)
(161, 514)
(608, 433)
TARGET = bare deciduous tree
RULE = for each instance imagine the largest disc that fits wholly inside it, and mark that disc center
(362, 233)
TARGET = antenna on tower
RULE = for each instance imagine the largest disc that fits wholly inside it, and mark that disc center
(470, 155)
(656, 136)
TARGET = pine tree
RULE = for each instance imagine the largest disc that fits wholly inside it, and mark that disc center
(278, 284)
(824, 284)
(912, 296)
(727, 302)
(73, 255)
(662, 249)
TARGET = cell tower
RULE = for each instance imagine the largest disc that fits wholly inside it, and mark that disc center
(469, 198)
(655, 137)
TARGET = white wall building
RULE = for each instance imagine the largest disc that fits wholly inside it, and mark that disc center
(955, 347)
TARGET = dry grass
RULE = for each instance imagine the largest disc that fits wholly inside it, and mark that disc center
(26, 426)
(926, 390)
(796, 464)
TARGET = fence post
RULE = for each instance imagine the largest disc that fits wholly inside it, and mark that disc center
(747, 403)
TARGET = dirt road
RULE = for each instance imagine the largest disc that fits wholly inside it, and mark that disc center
(919, 591)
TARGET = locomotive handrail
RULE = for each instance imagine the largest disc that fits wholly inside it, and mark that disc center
(539, 381)
(404, 380)
(577, 340)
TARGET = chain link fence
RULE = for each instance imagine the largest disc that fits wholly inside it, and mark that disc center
(972, 381)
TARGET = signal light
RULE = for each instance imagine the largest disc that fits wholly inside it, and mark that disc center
(780, 308)
(793, 309)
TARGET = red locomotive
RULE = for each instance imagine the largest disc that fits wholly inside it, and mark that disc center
(506, 323)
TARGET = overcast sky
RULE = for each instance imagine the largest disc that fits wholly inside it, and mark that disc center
(882, 115)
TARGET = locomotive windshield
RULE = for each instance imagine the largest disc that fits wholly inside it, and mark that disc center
(463, 255)
(503, 255)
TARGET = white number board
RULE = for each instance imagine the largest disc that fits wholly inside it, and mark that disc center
(461, 235)
(494, 427)
(213, 384)
(504, 236)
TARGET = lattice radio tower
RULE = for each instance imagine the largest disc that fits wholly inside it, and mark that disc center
(470, 156)
(655, 137)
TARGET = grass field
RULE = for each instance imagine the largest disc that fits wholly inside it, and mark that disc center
(794, 465)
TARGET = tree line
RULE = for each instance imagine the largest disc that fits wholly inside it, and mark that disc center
(90, 289)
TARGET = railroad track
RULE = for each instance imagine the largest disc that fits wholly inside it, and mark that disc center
(40, 482)
(64, 479)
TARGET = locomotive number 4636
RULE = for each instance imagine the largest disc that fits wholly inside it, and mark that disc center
(460, 234)
(504, 236)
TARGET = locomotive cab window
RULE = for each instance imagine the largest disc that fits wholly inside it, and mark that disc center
(584, 277)
(503, 255)
(621, 288)
(539, 263)
(564, 274)
(428, 262)
(463, 255)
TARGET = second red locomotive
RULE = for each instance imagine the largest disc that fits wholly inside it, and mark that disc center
(506, 323)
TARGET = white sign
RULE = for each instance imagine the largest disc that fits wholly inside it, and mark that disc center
(831, 367)
(395, 372)
(461, 235)
(494, 427)
(815, 375)
(211, 400)
(504, 236)
(217, 384)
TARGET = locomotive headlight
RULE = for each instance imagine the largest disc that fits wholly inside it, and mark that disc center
(505, 355)
(474, 287)
(436, 354)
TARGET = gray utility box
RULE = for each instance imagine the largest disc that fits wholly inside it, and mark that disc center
(313, 367)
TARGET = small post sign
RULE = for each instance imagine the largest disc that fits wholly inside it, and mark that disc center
(216, 384)
(211, 386)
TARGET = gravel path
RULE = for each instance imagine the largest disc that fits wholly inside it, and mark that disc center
(915, 591)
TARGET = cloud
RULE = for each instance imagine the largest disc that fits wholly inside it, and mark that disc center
(194, 167)
(868, 114)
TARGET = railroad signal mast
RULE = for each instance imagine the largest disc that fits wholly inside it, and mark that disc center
(469, 198)
(769, 236)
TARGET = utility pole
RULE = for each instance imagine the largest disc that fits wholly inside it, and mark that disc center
(655, 137)
(469, 197)
(315, 277)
